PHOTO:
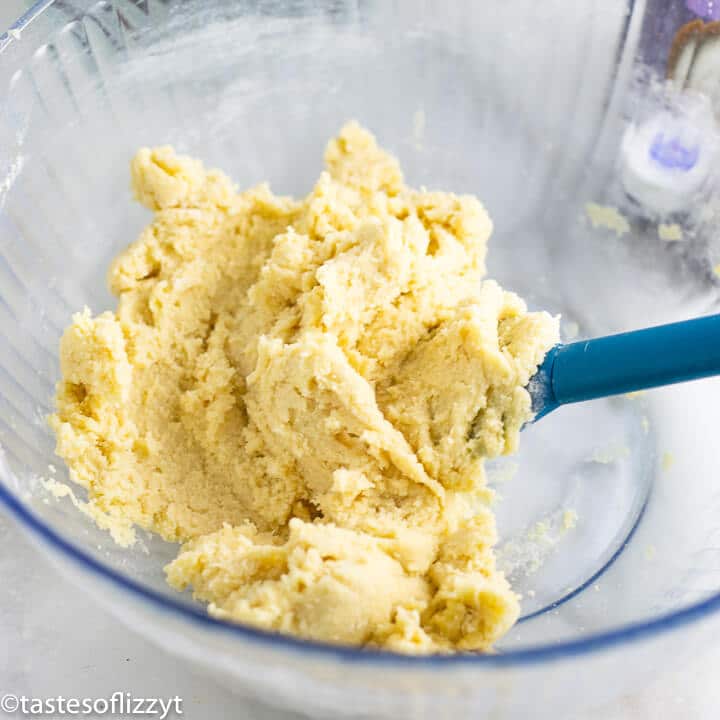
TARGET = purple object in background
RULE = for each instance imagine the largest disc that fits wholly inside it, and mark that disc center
(705, 8)
(661, 21)
(672, 154)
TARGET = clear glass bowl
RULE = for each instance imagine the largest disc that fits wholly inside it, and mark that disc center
(525, 104)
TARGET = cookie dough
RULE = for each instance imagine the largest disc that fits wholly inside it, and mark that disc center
(303, 393)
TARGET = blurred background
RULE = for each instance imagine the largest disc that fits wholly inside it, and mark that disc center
(11, 9)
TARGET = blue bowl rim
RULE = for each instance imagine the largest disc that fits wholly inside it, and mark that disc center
(510, 658)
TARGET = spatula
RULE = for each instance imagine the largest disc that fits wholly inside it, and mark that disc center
(627, 362)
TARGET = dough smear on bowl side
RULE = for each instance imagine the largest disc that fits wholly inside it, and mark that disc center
(303, 394)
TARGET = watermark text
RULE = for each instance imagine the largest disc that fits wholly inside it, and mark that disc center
(122, 704)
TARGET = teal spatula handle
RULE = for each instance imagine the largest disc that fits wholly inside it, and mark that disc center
(627, 362)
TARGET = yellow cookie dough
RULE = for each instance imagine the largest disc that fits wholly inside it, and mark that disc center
(303, 394)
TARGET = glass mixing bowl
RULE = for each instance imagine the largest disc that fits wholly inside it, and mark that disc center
(597, 174)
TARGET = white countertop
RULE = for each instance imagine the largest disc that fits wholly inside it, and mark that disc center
(55, 640)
